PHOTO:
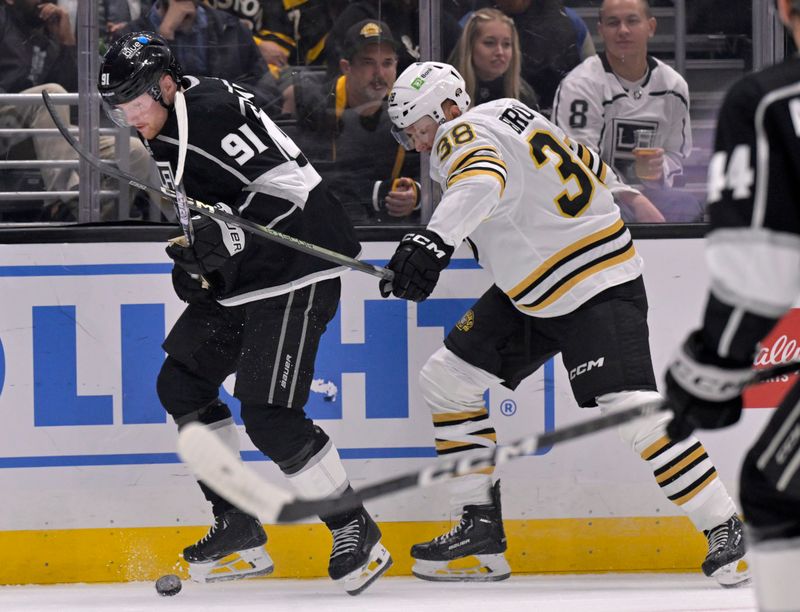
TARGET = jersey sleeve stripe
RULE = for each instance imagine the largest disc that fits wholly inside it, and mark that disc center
(467, 156)
(577, 248)
(496, 173)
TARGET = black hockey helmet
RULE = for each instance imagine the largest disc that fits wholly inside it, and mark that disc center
(133, 65)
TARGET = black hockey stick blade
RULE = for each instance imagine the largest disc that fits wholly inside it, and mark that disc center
(224, 471)
(215, 213)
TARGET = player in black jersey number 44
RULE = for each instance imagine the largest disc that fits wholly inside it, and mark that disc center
(255, 308)
(753, 256)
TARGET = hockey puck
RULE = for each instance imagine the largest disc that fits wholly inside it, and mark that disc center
(168, 585)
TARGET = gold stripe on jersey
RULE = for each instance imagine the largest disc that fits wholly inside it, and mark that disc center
(441, 419)
(479, 161)
(566, 254)
(594, 162)
(656, 448)
(485, 438)
(558, 291)
(681, 465)
(698, 485)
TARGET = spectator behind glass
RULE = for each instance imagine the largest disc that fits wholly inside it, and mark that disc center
(609, 97)
(116, 14)
(553, 42)
(345, 130)
(37, 53)
(296, 32)
(400, 15)
(210, 42)
(488, 57)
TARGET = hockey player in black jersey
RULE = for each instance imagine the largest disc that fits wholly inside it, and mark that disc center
(255, 308)
(753, 256)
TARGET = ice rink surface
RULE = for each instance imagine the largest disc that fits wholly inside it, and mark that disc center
(559, 593)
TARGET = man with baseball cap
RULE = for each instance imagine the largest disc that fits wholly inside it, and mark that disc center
(344, 122)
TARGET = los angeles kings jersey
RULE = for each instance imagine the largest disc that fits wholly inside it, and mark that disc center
(239, 157)
(537, 207)
(753, 249)
(594, 107)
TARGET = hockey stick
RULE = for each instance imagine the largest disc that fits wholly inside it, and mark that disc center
(184, 217)
(220, 215)
(220, 468)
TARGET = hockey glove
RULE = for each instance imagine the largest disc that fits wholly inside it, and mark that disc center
(189, 288)
(398, 197)
(703, 389)
(214, 242)
(416, 264)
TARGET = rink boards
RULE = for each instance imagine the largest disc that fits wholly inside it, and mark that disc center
(93, 490)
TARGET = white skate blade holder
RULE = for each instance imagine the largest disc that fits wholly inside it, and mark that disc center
(243, 564)
(358, 580)
(734, 575)
(221, 469)
(473, 568)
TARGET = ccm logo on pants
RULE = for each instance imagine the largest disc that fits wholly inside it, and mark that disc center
(585, 367)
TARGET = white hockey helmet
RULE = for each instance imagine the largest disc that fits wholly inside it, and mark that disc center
(421, 90)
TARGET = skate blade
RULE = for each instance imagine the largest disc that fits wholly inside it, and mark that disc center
(359, 579)
(236, 566)
(734, 575)
(472, 568)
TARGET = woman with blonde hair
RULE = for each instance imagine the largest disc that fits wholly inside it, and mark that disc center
(488, 57)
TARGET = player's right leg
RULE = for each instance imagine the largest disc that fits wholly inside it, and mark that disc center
(273, 380)
(473, 550)
(770, 494)
(493, 343)
(201, 348)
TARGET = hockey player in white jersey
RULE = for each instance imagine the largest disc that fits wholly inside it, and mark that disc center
(538, 211)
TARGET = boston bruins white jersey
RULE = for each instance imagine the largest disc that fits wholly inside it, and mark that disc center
(594, 107)
(536, 206)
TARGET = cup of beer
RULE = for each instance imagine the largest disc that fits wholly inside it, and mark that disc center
(645, 151)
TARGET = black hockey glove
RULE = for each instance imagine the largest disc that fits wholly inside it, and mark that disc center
(703, 389)
(214, 242)
(188, 288)
(416, 264)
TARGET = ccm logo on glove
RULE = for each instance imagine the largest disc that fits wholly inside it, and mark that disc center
(428, 244)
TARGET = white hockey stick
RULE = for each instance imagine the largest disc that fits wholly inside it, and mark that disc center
(216, 465)
(184, 216)
(215, 213)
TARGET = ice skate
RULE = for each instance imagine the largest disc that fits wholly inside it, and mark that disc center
(725, 561)
(358, 558)
(233, 548)
(472, 551)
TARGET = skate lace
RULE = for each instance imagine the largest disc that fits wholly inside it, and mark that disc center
(345, 539)
(717, 538)
(454, 531)
(212, 530)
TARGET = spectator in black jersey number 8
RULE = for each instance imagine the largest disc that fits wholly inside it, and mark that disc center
(256, 308)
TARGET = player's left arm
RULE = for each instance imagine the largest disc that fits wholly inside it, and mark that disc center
(473, 174)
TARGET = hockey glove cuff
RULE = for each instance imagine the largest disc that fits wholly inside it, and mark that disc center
(214, 242)
(704, 390)
(189, 288)
(416, 263)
